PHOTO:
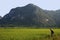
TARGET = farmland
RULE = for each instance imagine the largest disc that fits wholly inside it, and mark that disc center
(28, 34)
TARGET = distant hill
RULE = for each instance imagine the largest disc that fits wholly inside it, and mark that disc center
(55, 15)
(31, 15)
(0, 17)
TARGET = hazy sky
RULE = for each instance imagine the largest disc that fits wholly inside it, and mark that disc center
(7, 5)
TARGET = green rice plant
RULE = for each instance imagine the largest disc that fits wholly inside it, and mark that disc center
(28, 34)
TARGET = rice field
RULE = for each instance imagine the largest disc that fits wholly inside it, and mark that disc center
(28, 34)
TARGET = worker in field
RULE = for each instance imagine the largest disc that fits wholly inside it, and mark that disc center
(52, 32)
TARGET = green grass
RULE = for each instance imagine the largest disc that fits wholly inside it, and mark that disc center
(27, 34)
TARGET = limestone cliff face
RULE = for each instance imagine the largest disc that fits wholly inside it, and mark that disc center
(28, 15)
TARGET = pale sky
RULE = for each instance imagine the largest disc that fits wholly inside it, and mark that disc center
(7, 5)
